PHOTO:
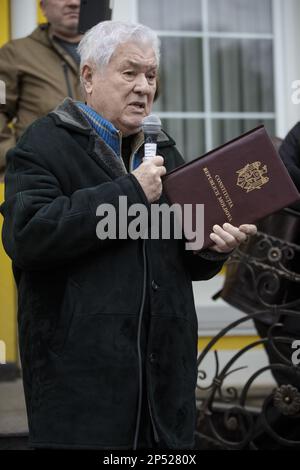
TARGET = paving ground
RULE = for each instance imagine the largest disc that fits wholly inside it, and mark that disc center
(13, 421)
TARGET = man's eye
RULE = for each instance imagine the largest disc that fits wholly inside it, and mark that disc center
(129, 73)
(151, 79)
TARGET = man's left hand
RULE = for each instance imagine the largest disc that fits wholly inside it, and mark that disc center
(228, 237)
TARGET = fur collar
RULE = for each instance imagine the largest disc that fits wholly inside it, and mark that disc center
(70, 116)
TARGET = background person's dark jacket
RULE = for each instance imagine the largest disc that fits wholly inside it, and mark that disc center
(79, 297)
(290, 153)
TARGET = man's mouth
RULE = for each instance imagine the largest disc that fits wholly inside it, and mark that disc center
(138, 104)
(72, 13)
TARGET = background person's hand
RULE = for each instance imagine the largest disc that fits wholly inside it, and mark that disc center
(149, 175)
(228, 237)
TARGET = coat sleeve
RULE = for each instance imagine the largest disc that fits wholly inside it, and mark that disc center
(205, 264)
(45, 228)
(10, 76)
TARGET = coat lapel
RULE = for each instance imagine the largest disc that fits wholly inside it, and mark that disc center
(68, 115)
(103, 154)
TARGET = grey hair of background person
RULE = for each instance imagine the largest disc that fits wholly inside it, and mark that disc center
(100, 42)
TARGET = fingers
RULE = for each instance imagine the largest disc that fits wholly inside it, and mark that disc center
(149, 175)
(234, 232)
(248, 229)
(161, 171)
(156, 171)
(157, 160)
(228, 237)
(155, 165)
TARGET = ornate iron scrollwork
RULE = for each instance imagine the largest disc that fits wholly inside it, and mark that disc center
(271, 286)
(287, 400)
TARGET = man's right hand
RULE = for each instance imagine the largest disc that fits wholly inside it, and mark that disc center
(149, 175)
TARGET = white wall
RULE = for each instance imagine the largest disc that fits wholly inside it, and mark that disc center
(23, 17)
(250, 363)
(287, 30)
(124, 10)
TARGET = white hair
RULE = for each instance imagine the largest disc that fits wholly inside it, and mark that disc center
(100, 42)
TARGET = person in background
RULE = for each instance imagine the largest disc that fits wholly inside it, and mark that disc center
(39, 71)
(290, 154)
(287, 427)
(107, 325)
(289, 151)
(274, 284)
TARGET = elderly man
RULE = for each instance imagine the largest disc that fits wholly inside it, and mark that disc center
(107, 327)
(39, 71)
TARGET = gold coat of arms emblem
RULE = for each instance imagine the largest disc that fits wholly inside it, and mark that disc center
(252, 176)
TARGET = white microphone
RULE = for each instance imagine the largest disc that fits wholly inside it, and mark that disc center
(151, 126)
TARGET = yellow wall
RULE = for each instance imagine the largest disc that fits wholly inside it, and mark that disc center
(228, 343)
(4, 21)
(8, 327)
(40, 18)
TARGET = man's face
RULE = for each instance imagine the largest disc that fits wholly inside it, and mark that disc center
(63, 15)
(124, 90)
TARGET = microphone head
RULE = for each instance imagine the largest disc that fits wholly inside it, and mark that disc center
(151, 124)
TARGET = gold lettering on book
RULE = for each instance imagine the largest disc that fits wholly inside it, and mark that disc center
(220, 192)
(211, 181)
(252, 176)
(225, 193)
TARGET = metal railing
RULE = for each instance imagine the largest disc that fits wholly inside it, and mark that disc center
(261, 282)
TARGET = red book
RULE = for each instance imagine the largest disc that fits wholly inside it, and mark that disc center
(239, 182)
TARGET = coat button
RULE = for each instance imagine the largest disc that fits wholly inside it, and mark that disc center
(155, 286)
(152, 358)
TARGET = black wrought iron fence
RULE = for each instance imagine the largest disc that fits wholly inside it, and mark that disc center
(262, 280)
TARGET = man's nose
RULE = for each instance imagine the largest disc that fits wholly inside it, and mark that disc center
(73, 3)
(141, 84)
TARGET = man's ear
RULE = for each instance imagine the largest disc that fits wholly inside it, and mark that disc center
(158, 88)
(87, 79)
